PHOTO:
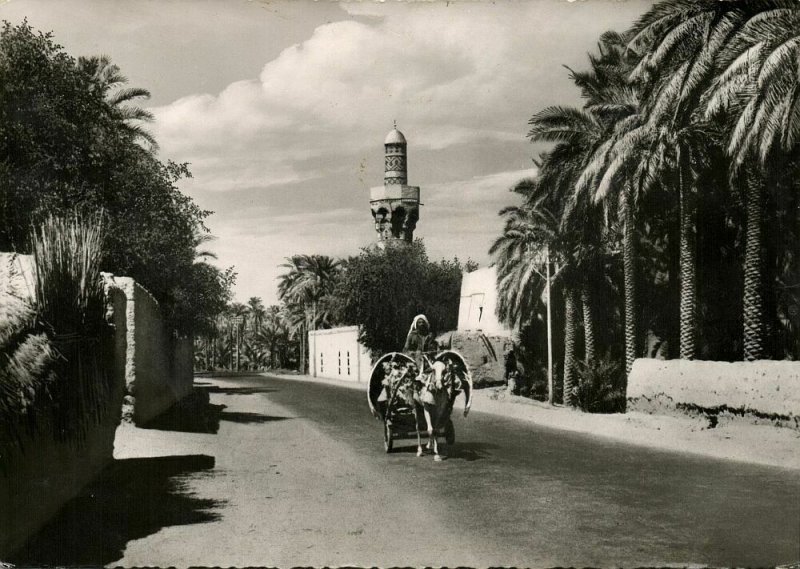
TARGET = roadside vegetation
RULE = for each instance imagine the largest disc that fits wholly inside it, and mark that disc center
(83, 191)
(73, 138)
(55, 371)
(667, 205)
(375, 290)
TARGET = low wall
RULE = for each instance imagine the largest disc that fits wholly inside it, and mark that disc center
(762, 387)
(46, 474)
(484, 354)
(145, 360)
(158, 366)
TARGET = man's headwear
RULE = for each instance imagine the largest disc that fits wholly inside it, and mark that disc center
(417, 319)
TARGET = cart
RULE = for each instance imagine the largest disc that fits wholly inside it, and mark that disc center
(389, 401)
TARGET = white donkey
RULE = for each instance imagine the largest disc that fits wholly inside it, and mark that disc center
(435, 398)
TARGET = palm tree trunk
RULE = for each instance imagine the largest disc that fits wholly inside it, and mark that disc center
(303, 328)
(688, 277)
(570, 333)
(754, 329)
(588, 326)
(629, 268)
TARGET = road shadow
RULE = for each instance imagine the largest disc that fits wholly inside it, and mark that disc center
(470, 452)
(131, 499)
(240, 390)
(249, 418)
(192, 414)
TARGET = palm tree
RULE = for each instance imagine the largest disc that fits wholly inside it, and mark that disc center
(255, 312)
(199, 239)
(579, 131)
(525, 254)
(759, 88)
(273, 334)
(679, 45)
(237, 319)
(308, 279)
(111, 83)
(582, 134)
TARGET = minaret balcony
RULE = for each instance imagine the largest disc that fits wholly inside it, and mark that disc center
(394, 192)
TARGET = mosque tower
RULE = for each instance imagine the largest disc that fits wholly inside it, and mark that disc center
(395, 205)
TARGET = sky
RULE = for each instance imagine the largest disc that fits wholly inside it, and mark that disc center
(281, 108)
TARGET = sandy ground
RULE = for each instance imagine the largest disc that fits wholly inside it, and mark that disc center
(732, 440)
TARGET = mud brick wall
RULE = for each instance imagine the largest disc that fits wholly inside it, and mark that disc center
(158, 366)
(764, 387)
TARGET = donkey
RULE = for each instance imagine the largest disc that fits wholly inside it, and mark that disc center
(435, 397)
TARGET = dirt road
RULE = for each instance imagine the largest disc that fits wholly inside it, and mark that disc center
(296, 475)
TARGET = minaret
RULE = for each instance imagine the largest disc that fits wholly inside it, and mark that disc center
(395, 205)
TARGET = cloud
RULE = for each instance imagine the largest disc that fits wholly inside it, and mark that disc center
(286, 157)
(281, 108)
(449, 75)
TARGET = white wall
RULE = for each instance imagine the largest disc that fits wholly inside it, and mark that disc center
(478, 304)
(336, 354)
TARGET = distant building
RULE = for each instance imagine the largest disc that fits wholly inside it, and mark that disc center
(478, 304)
(395, 204)
(337, 354)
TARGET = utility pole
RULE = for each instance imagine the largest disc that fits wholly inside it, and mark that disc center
(549, 330)
(548, 277)
(237, 321)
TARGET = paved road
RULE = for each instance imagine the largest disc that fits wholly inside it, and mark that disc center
(296, 475)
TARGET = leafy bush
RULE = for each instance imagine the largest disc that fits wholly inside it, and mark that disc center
(25, 373)
(601, 387)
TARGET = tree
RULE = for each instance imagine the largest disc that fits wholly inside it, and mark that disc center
(578, 134)
(256, 312)
(529, 234)
(597, 179)
(68, 142)
(107, 78)
(381, 292)
(759, 89)
(308, 279)
(680, 44)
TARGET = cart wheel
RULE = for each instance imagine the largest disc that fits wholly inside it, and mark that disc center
(388, 440)
(449, 432)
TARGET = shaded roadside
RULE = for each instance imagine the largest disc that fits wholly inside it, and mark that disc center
(133, 498)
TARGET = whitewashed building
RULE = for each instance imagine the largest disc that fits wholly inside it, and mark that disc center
(336, 354)
(478, 304)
